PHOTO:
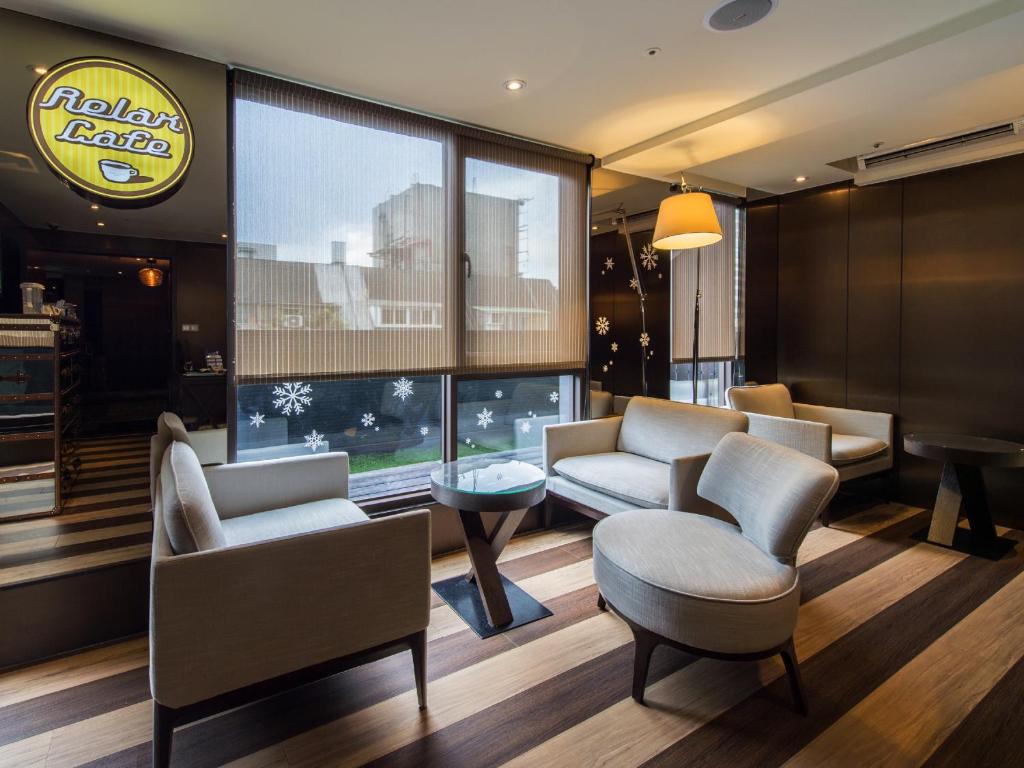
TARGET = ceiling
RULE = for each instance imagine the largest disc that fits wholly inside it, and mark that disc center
(814, 82)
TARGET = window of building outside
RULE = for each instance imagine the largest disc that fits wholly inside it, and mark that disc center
(351, 277)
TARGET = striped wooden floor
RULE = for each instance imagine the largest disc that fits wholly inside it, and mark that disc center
(106, 520)
(911, 654)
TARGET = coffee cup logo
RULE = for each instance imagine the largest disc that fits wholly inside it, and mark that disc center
(112, 131)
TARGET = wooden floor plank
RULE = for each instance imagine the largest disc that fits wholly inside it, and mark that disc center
(911, 714)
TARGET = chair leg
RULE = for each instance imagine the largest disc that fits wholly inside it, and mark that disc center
(163, 733)
(418, 644)
(645, 642)
(549, 512)
(602, 605)
(796, 685)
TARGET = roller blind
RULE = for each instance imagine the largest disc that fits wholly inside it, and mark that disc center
(720, 304)
(361, 249)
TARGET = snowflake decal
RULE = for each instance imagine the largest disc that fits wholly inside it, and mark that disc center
(615, 346)
(609, 263)
(649, 257)
(403, 389)
(644, 339)
(292, 397)
(525, 427)
(314, 440)
(604, 368)
(498, 394)
(484, 418)
(553, 397)
(368, 419)
(634, 285)
(467, 441)
(602, 326)
(424, 431)
(257, 420)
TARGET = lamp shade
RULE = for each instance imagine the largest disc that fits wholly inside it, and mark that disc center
(686, 221)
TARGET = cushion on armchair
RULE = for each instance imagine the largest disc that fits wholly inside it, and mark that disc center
(626, 476)
(850, 448)
(766, 399)
(189, 515)
(291, 521)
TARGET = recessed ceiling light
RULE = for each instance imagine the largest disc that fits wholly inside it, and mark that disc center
(137, 258)
(39, 69)
(515, 85)
(94, 207)
(800, 179)
(653, 50)
(224, 235)
(120, 272)
(100, 224)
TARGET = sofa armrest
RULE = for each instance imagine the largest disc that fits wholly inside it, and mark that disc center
(256, 486)
(684, 473)
(226, 618)
(811, 437)
(579, 438)
(847, 421)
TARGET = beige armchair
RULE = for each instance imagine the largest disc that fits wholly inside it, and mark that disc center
(650, 457)
(856, 443)
(265, 577)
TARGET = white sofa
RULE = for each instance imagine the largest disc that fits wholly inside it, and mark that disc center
(650, 457)
(856, 443)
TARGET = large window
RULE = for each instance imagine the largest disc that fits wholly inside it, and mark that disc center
(382, 259)
(721, 269)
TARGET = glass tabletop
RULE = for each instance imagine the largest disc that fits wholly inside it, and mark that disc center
(486, 475)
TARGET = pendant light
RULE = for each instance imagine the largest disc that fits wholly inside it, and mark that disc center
(150, 275)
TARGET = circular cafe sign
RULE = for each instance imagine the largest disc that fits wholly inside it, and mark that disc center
(112, 131)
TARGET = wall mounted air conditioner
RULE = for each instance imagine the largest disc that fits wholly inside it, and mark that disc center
(985, 143)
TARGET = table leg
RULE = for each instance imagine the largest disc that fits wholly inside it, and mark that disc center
(485, 569)
(948, 503)
(500, 535)
(972, 485)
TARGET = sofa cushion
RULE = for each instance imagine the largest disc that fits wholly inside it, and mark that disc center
(289, 521)
(847, 449)
(664, 430)
(766, 399)
(625, 476)
(695, 580)
(189, 515)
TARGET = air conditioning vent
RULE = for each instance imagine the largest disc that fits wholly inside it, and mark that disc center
(942, 145)
(976, 145)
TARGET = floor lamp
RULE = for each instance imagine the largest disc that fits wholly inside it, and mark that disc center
(685, 221)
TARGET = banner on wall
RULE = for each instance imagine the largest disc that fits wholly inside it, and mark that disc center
(111, 131)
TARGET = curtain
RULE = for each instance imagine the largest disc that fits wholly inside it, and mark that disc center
(360, 249)
(720, 304)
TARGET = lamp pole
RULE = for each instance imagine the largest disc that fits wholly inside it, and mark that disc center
(696, 330)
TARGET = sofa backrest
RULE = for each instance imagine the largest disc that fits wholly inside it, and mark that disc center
(169, 427)
(664, 430)
(766, 399)
(774, 493)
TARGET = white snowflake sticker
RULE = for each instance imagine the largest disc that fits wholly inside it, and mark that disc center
(553, 397)
(403, 389)
(649, 257)
(467, 441)
(257, 420)
(292, 397)
(368, 419)
(604, 368)
(602, 326)
(615, 346)
(314, 440)
(644, 339)
(484, 418)
(525, 427)
(634, 285)
(609, 263)
(498, 394)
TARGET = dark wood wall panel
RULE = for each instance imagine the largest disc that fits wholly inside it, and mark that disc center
(813, 241)
(873, 313)
(761, 292)
(963, 314)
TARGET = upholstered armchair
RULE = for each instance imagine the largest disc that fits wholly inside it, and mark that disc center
(651, 456)
(856, 443)
(265, 576)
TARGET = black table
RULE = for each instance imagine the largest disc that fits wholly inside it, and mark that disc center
(487, 601)
(962, 488)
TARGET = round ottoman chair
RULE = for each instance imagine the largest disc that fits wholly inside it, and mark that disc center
(710, 587)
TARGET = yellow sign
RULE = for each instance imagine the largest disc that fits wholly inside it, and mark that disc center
(112, 131)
